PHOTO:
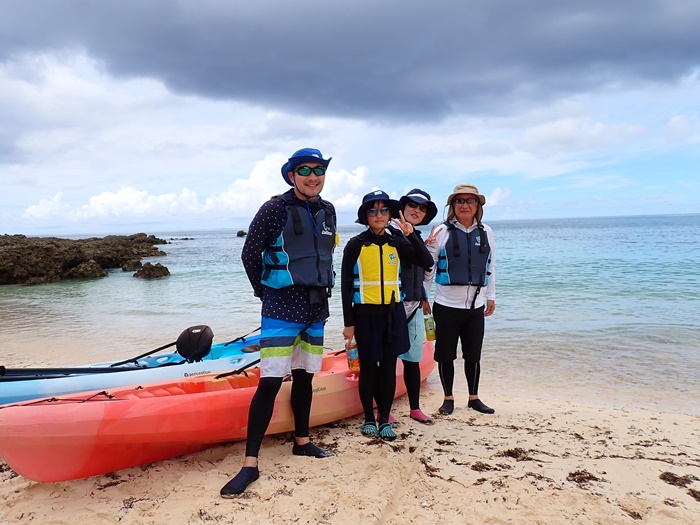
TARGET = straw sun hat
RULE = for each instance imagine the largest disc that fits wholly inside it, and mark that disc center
(468, 188)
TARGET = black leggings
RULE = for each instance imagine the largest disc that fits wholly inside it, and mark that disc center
(263, 404)
(377, 383)
(411, 376)
(447, 376)
(453, 326)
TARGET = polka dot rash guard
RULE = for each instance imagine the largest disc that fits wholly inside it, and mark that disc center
(292, 302)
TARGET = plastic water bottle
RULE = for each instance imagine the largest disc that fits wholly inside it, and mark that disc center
(429, 327)
(353, 356)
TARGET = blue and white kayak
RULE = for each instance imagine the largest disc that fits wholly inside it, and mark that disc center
(194, 357)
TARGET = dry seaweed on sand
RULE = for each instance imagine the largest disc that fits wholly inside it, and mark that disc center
(517, 453)
(581, 477)
(676, 480)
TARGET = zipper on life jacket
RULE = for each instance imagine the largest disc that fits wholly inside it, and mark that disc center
(469, 258)
(318, 261)
(381, 273)
(315, 231)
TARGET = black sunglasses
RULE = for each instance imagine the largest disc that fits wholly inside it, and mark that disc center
(468, 200)
(372, 212)
(305, 171)
(414, 205)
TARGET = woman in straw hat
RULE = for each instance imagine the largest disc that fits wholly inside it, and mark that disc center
(463, 250)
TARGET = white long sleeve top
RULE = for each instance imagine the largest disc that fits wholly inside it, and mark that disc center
(460, 296)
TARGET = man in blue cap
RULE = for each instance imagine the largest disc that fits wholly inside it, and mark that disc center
(294, 235)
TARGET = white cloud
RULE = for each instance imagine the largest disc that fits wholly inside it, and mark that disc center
(498, 197)
(127, 202)
(680, 128)
(46, 209)
(241, 199)
(574, 135)
(347, 188)
(79, 146)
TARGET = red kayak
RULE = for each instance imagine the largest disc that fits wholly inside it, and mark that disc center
(85, 434)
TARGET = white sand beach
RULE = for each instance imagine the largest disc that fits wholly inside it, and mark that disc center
(534, 461)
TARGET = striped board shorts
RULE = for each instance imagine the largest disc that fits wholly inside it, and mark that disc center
(285, 345)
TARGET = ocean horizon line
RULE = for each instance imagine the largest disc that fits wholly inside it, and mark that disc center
(175, 230)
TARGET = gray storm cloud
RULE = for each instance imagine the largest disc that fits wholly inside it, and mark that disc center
(388, 61)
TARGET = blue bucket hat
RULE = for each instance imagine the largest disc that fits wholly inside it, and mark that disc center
(420, 197)
(299, 158)
(374, 196)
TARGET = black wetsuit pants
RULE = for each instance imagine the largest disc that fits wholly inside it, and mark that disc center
(453, 325)
(263, 404)
(377, 383)
(411, 376)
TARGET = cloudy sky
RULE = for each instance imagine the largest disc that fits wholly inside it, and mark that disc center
(161, 115)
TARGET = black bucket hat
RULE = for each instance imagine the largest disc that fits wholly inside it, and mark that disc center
(374, 196)
(420, 197)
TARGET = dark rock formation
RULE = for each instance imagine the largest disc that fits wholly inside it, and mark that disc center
(29, 260)
(131, 265)
(241, 233)
(86, 270)
(152, 271)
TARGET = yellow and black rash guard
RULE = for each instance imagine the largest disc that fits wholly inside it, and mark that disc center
(363, 285)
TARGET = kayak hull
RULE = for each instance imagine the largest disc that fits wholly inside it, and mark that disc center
(223, 357)
(95, 433)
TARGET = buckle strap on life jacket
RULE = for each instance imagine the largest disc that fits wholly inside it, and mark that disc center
(476, 293)
(296, 218)
(455, 240)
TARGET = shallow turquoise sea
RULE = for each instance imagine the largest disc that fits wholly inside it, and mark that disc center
(602, 309)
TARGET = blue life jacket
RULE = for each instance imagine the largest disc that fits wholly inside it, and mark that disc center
(465, 259)
(303, 253)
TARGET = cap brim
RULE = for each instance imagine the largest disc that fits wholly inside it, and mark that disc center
(481, 198)
(394, 206)
(429, 215)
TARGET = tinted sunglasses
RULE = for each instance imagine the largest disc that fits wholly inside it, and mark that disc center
(469, 200)
(414, 205)
(372, 212)
(305, 171)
